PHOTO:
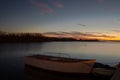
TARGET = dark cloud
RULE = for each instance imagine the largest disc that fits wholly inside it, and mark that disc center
(115, 10)
(3, 25)
(57, 4)
(82, 25)
(78, 34)
(117, 31)
(43, 6)
(93, 32)
(92, 35)
(100, 1)
(53, 33)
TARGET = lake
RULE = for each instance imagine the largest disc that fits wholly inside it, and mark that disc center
(12, 54)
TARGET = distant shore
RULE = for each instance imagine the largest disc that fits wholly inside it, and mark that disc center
(35, 37)
(38, 37)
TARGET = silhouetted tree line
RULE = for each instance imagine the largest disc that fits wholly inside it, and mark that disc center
(31, 37)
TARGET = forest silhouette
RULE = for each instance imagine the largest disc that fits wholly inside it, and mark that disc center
(33, 37)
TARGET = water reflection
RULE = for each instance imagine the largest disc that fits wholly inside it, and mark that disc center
(12, 55)
(39, 74)
(107, 53)
(104, 52)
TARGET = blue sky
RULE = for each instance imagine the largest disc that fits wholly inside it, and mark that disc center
(86, 16)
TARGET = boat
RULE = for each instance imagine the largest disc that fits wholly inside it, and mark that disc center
(60, 64)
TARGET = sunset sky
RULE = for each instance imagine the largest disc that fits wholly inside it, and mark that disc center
(74, 18)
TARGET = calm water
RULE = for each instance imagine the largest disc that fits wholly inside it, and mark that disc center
(12, 55)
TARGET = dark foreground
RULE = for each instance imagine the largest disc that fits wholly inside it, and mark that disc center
(40, 74)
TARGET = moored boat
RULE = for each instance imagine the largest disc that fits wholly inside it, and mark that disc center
(60, 64)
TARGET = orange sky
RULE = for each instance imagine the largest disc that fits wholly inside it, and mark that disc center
(82, 35)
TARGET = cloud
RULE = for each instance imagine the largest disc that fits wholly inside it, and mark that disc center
(118, 19)
(57, 34)
(100, 1)
(115, 10)
(105, 36)
(117, 31)
(92, 35)
(93, 32)
(58, 4)
(82, 25)
(54, 33)
(3, 25)
(77, 34)
(43, 6)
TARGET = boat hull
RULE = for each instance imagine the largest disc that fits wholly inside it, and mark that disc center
(61, 66)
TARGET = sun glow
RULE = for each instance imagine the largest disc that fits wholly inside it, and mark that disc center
(112, 39)
(85, 37)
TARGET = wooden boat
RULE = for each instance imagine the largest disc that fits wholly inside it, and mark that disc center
(60, 64)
